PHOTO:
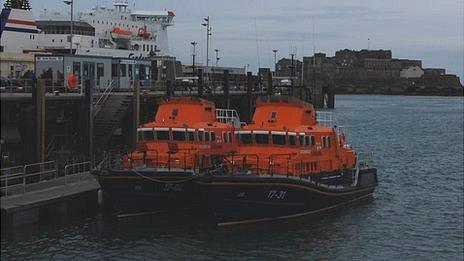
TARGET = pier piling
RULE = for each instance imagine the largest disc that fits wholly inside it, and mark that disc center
(40, 110)
(135, 113)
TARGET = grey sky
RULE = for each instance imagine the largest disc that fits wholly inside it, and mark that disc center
(418, 29)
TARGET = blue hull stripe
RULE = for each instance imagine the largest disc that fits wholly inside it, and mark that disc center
(20, 30)
(3, 18)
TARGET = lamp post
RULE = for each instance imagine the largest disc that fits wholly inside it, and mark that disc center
(194, 44)
(217, 57)
(70, 3)
(208, 34)
(275, 59)
(292, 68)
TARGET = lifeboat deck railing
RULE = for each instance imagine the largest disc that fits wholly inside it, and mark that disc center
(229, 116)
(286, 166)
(326, 118)
(183, 160)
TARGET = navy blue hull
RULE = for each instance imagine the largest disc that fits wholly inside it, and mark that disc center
(145, 192)
(245, 199)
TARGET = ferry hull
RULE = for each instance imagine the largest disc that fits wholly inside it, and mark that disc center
(143, 192)
(248, 199)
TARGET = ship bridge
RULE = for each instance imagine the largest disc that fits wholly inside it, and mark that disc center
(163, 17)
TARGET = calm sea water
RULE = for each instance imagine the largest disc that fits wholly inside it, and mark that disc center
(417, 212)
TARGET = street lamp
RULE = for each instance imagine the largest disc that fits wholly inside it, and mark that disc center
(70, 3)
(194, 44)
(208, 34)
(217, 56)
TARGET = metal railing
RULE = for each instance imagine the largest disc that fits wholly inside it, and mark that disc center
(326, 118)
(11, 178)
(103, 97)
(363, 161)
(18, 179)
(76, 169)
(229, 116)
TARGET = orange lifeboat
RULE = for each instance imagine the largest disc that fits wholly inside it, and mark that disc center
(287, 164)
(184, 134)
(119, 34)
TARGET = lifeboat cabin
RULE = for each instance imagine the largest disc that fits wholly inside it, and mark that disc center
(284, 138)
(185, 134)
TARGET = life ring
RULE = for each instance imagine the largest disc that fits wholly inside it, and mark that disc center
(73, 82)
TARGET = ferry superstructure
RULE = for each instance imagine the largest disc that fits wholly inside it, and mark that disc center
(116, 31)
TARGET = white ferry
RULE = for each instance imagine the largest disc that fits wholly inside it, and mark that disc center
(103, 31)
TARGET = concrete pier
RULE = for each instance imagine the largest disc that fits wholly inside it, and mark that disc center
(59, 197)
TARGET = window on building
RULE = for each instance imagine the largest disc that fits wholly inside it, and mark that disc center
(130, 71)
(122, 70)
(100, 70)
(278, 139)
(114, 70)
(162, 135)
(262, 138)
(77, 69)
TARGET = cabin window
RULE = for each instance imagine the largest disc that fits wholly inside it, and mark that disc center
(201, 135)
(262, 138)
(178, 135)
(162, 135)
(175, 112)
(191, 135)
(273, 115)
(230, 137)
(301, 139)
(207, 136)
(213, 136)
(246, 138)
(148, 135)
(224, 137)
(292, 140)
(278, 139)
(326, 142)
(307, 140)
(313, 141)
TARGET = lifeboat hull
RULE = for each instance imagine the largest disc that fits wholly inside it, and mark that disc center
(241, 199)
(143, 191)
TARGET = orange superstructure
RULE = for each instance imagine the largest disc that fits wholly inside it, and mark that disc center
(185, 134)
(285, 138)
